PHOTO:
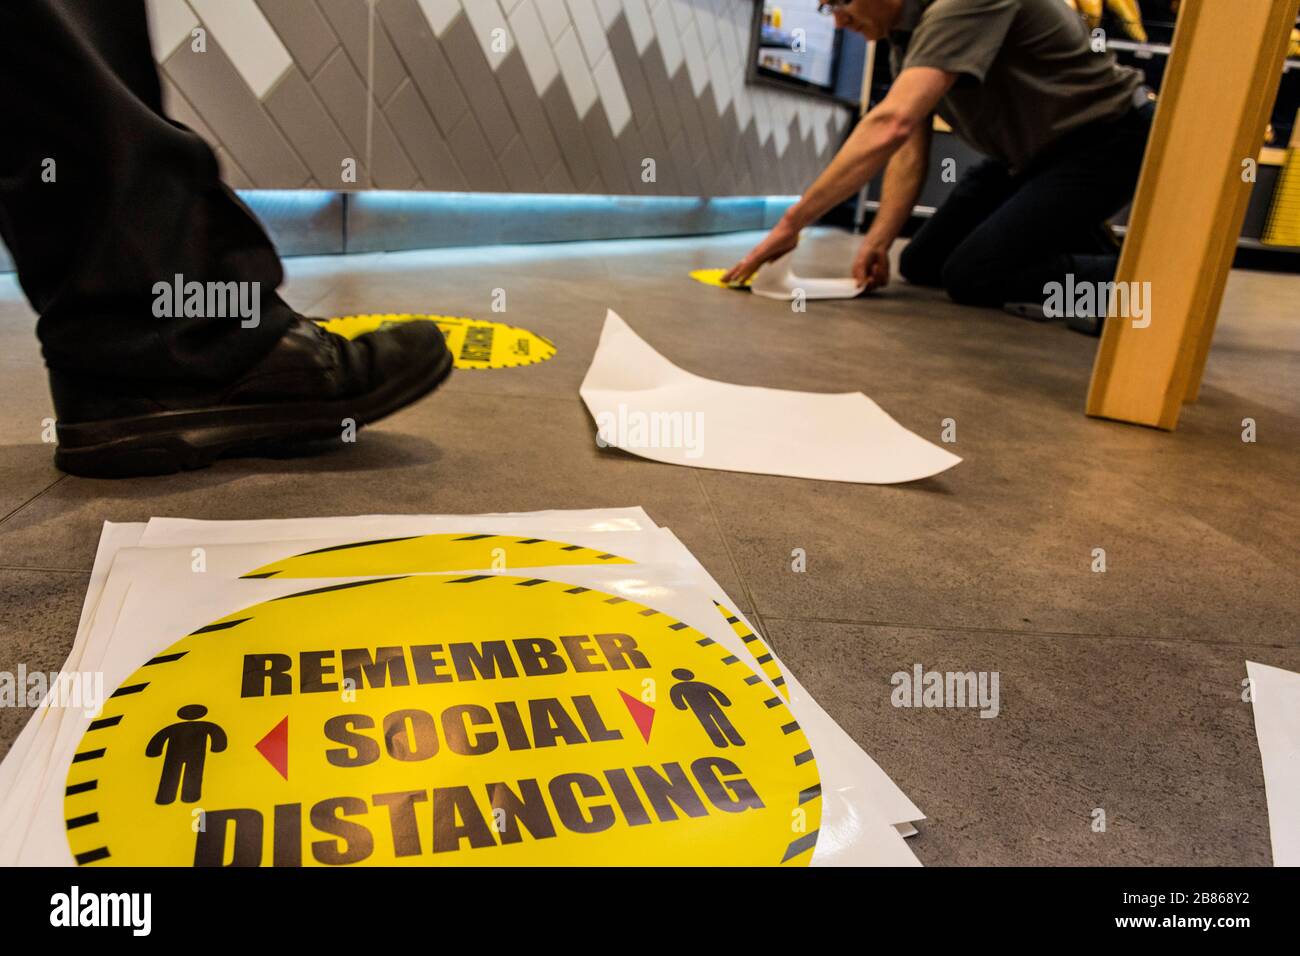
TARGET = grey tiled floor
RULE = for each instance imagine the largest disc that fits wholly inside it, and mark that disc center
(1119, 691)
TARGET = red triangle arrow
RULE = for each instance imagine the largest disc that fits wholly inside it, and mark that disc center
(275, 747)
(642, 713)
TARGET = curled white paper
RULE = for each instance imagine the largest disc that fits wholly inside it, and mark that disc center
(646, 405)
(1275, 697)
(777, 280)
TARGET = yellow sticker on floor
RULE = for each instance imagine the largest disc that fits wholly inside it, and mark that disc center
(474, 343)
(713, 277)
(434, 552)
(444, 719)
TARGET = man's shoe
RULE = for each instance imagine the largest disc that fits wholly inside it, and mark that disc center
(312, 385)
(1034, 311)
(1037, 312)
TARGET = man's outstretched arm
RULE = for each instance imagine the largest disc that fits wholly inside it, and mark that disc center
(880, 134)
(904, 179)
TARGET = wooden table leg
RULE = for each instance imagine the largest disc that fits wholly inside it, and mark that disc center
(1191, 201)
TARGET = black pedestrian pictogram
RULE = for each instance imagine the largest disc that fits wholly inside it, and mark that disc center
(186, 746)
(706, 702)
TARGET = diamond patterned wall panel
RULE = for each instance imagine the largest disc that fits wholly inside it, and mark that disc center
(489, 95)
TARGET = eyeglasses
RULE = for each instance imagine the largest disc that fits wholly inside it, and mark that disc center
(828, 7)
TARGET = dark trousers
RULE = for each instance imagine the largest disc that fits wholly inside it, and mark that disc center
(101, 197)
(1000, 237)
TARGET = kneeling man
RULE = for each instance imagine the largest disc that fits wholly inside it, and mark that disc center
(1064, 129)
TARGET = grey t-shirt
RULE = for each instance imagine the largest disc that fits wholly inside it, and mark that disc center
(1027, 71)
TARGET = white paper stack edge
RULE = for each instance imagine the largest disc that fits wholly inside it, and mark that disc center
(144, 594)
(1275, 698)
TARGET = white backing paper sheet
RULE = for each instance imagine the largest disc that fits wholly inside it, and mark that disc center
(853, 830)
(162, 532)
(1276, 696)
(230, 561)
(56, 738)
(637, 397)
(113, 537)
(777, 280)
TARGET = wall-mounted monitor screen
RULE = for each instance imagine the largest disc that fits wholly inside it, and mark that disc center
(794, 44)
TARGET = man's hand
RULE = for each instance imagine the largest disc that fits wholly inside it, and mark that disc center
(778, 242)
(871, 265)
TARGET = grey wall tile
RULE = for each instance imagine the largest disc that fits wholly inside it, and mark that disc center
(682, 164)
(689, 115)
(303, 119)
(177, 107)
(474, 156)
(517, 165)
(623, 48)
(424, 61)
(803, 154)
(216, 90)
(569, 134)
(303, 30)
(661, 91)
(705, 172)
(783, 176)
(752, 151)
(718, 130)
(479, 83)
(732, 164)
(632, 149)
(609, 158)
(351, 22)
(344, 95)
(231, 174)
(558, 180)
(526, 107)
(514, 138)
(656, 148)
(423, 141)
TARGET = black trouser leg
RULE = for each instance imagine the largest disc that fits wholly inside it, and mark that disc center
(102, 197)
(976, 196)
(1042, 231)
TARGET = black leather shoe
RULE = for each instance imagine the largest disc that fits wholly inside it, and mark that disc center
(307, 388)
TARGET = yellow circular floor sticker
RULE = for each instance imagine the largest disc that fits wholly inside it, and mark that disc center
(444, 719)
(434, 552)
(474, 343)
(713, 277)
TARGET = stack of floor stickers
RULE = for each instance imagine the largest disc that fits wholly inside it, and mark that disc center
(552, 688)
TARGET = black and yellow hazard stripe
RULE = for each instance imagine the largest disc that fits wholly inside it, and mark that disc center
(762, 653)
(432, 553)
